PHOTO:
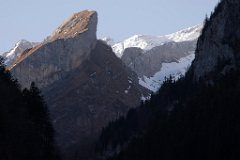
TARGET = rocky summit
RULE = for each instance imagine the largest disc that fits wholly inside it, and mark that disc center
(46, 62)
(84, 83)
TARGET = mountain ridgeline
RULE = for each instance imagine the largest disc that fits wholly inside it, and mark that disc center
(195, 117)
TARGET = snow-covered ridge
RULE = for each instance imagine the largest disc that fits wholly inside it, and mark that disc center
(144, 42)
(18, 48)
(147, 42)
(188, 34)
(175, 69)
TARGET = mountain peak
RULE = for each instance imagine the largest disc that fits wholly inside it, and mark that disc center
(147, 42)
(63, 51)
(22, 41)
(85, 84)
(76, 24)
(20, 46)
(187, 34)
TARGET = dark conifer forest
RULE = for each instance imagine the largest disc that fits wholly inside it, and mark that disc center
(25, 129)
(204, 124)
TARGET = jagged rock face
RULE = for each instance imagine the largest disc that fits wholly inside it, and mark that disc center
(14, 53)
(85, 85)
(65, 50)
(147, 63)
(219, 45)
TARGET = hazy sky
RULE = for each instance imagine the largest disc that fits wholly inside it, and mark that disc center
(34, 20)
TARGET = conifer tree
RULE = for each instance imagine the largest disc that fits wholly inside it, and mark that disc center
(25, 128)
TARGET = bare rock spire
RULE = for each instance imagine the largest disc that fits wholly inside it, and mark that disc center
(64, 51)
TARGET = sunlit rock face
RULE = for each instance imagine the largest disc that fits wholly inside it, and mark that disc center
(65, 50)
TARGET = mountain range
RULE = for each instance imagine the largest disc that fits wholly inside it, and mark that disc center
(155, 58)
(148, 97)
(152, 58)
(88, 82)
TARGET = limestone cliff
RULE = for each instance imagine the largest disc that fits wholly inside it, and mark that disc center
(219, 45)
(65, 50)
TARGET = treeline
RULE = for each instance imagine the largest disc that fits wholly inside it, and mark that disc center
(25, 129)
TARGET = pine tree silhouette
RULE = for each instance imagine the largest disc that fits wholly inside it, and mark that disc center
(25, 128)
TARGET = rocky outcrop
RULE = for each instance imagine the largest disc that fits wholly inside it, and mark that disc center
(219, 45)
(84, 84)
(65, 50)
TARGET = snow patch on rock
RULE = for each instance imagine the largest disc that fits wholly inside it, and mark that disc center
(174, 69)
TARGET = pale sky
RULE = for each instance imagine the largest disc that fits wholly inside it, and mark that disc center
(119, 19)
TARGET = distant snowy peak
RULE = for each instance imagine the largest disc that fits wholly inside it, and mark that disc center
(19, 47)
(188, 34)
(108, 40)
(146, 42)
